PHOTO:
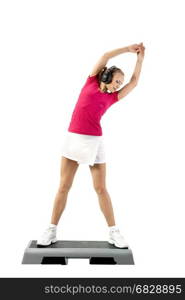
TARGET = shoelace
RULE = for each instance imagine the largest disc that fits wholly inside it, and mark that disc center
(115, 230)
(47, 231)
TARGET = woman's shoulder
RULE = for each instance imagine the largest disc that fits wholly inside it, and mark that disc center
(92, 77)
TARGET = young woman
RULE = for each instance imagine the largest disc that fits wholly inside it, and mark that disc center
(84, 144)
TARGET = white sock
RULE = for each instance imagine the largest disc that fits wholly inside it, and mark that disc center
(113, 227)
(53, 226)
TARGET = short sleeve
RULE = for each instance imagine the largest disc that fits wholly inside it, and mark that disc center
(90, 79)
(93, 77)
(113, 97)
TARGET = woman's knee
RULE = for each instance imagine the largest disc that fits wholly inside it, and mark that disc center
(100, 189)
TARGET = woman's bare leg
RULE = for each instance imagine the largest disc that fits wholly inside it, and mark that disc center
(98, 172)
(67, 172)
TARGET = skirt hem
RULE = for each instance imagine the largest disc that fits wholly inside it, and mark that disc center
(79, 162)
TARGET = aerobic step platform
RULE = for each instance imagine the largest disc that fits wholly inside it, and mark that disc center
(98, 252)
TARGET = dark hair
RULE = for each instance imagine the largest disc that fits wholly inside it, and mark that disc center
(106, 74)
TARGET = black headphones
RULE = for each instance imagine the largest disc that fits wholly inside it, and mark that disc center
(108, 74)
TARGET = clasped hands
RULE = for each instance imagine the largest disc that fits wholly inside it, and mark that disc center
(137, 48)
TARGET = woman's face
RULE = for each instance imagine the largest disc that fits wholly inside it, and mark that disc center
(117, 81)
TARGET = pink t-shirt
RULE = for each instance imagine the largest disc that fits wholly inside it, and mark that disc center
(91, 105)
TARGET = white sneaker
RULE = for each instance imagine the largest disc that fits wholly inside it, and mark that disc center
(48, 237)
(117, 239)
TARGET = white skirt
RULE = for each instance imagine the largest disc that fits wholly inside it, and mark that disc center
(85, 149)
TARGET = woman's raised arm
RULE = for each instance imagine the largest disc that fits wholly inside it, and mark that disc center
(137, 70)
(101, 63)
(132, 48)
(103, 60)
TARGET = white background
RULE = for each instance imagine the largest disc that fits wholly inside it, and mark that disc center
(48, 48)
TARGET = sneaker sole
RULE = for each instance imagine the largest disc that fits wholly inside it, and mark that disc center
(52, 242)
(115, 244)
